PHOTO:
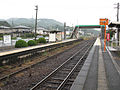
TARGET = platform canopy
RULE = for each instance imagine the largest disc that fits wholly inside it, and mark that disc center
(89, 26)
(114, 24)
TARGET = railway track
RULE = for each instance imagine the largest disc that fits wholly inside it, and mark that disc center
(63, 76)
(25, 68)
(27, 82)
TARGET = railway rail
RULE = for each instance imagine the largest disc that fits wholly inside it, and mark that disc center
(12, 56)
(34, 53)
(36, 69)
(63, 76)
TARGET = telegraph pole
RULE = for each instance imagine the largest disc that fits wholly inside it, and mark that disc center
(64, 30)
(117, 11)
(117, 21)
(36, 21)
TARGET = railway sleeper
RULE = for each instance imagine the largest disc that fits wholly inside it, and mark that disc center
(59, 78)
(54, 82)
(69, 66)
(48, 86)
(60, 75)
(63, 71)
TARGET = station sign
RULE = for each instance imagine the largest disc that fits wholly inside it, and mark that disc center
(108, 36)
(104, 21)
(7, 39)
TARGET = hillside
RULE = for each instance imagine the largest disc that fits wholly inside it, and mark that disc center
(45, 23)
(4, 23)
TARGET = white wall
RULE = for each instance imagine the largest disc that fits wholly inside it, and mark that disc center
(52, 37)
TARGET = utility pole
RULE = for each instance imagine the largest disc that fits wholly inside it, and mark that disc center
(117, 21)
(36, 21)
(117, 11)
(64, 30)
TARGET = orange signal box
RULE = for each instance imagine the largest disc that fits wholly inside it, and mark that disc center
(104, 21)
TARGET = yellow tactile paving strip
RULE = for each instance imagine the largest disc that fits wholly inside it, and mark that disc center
(102, 81)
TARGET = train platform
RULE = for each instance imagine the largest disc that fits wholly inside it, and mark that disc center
(99, 72)
(17, 50)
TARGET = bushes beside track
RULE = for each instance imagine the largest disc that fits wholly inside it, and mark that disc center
(32, 43)
(22, 43)
(41, 40)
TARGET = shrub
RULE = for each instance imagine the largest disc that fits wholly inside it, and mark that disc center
(32, 43)
(20, 44)
(41, 40)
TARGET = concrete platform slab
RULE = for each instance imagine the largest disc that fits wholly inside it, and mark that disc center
(99, 71)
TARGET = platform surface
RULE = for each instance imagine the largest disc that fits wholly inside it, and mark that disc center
(32, 47)
(99, 72)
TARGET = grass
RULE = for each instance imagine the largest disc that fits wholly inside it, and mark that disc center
(114, 44)
(1, 38)
(119, 53)
(14, 38)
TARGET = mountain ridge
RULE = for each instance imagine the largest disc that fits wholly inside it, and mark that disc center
(43, 22)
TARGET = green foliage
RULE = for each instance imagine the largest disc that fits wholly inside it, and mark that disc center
(28, 35)
(111, 33)
(32, 43)
(14, 38)
(46, 35)
(20, 44)
(1, 35)
(1, 38)
(4, 23)
(41, 40)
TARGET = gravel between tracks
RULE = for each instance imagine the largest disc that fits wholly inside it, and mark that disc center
(28, 78)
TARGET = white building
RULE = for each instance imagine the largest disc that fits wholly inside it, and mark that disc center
(55, 36)
(41, 30)
(5, 30)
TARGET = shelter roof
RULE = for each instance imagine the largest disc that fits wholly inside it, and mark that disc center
(21, 27)
(54, 31)
(114, 24)
(4, 27)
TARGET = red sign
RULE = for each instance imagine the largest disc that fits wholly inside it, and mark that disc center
(108, 36)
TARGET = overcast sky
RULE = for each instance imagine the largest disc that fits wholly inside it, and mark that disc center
(82, 12)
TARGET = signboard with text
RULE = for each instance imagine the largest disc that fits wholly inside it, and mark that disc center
(104, 21)
(7, 39)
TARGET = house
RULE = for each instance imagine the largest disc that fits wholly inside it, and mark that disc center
(5, 27)
(41, 30)
(5, 30)
(21, 30)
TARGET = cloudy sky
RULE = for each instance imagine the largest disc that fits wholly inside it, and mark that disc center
(82, 12)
